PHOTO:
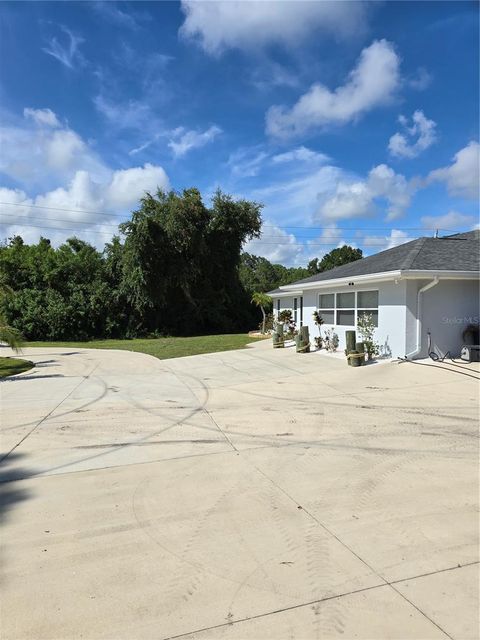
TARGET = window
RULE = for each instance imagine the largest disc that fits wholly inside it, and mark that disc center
(278, 306)
(326, 306)
(367, 302)
(301, 311)
(344, 309)
(295, 306)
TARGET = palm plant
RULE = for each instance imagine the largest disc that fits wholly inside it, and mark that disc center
(263, 301)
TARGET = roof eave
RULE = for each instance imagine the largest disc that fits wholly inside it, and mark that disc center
(290, 289)
(286, 294)
(387, 275)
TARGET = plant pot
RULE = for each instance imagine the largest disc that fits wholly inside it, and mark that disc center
(355, 358)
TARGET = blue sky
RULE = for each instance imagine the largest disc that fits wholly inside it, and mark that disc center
(351, 122)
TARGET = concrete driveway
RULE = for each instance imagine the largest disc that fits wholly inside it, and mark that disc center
(242, 495)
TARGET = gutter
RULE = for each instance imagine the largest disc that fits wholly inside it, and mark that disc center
(418, 348)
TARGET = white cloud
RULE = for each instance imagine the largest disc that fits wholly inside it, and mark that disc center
(86, 188)
(372, 83)
(183, 141)
(421, 80)
(393, 187)
(404, 144)
(357, 198)
(277, 245)
(330, 238)
(40, 151)
(128, 185)
(451, 221)
(247, 162)
(133, 114)
(68, 52)
(269, 74)
(381, 243)
(351, 200)
(462, 176)
(113, 14)
(217, 26)
(300, 154)
(41, 117)
(295, 198)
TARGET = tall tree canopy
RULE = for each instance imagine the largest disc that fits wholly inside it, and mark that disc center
(180, 267)
(176, 272)
(258, 274)
(336, 257)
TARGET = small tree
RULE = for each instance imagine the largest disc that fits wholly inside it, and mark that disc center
(366, 329)
(263, 301)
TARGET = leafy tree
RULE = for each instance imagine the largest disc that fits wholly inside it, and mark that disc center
(335, 258)
(258, 274)
(181, 259)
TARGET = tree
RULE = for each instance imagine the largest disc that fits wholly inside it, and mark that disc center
(259, 274)
(335, 258)
(8, 334)
(181, 262)
(263, 301)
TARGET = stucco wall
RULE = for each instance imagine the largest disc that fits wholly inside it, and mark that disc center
(447, 309)
(285, 303)
(390, 333)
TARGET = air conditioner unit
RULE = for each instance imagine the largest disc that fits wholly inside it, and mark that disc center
(470, 353)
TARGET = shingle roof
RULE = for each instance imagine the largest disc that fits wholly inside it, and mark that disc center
(458, 252)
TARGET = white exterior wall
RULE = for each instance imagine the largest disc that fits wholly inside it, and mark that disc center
(447, 309)
(285, 303)
(390, 333)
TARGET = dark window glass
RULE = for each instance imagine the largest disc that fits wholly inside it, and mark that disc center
(367, 299)
(346, 318)
(345, 300)
(327, 301)
(328, 316)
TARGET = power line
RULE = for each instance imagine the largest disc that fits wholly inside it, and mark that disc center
(324, 228)
(20, 222)
(46, 228)
(107, 233)
(280, 242)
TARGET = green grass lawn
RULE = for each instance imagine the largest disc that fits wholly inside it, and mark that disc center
(10, 366)
(162, 348)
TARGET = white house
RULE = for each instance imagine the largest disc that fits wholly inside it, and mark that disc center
(424, 289)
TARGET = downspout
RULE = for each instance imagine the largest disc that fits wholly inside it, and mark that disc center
(418, 348)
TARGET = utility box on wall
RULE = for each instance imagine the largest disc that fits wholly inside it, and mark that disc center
(470, 353)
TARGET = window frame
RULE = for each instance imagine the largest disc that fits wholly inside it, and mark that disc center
(335, 309)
